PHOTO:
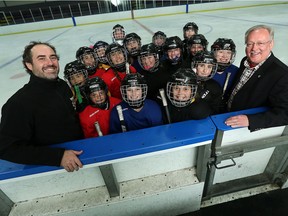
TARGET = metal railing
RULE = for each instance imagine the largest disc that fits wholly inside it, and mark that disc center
(59, 10)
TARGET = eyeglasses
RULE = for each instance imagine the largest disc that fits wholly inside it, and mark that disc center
(259, 44)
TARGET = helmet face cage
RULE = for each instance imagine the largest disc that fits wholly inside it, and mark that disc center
(116, 50)
(182, 99)
(99, 50)
(224, 44)
(148, 52)
(132, 44)
(182, 87)
(118, 34)
(202, 59)
(128, 90)
(159, 38)
(134, 90)
(81, 55)
(146, 67)
(75, 74)
(96, 84)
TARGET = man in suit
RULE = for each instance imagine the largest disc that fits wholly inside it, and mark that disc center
(262, 80)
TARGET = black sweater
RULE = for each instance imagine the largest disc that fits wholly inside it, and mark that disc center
(36, 116)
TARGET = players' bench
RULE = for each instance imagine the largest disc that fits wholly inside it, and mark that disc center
(115, 168)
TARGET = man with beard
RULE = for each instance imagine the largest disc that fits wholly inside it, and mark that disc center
(40, 114)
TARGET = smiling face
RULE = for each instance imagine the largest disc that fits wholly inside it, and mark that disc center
(118, 34)
(174, 53)
(88, 59)
(45, 62)
(134, 93)
(204, 69)
(258, 46)
(159, 40)
(117, 57)
(148, 61)
(181, 92)
(223, 56)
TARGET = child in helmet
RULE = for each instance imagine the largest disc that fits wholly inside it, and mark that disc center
(158, 39)
(224, 50)
(99, 50)
(137, 111)
(197, 43)
(117, 59)
(189, 29)
(118, 34)
(205, 66)
(87, 57)
(76, 76)
(173, 49)
(98, 110)
(132, 45)
(181, 91)
(153, 73)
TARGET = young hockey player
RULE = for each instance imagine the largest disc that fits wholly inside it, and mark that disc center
(95, 118)
(181, 91)
(117, 59)
(135, 111)
(224, 50)
(76, 76)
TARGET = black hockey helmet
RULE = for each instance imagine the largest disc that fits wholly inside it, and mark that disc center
(190, 25)
(185, 78)
(74, 68)
(204, 57)
(80, 55)
(113, 49)
(224, 44)
(198, 39)
(134, 80)
(149, 50)
(172, 43)
(96, 84)
(118, 28)
(132, 37)
(157, 35)
(99, 49)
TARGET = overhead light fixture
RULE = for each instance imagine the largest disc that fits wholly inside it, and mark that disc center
(116, 2)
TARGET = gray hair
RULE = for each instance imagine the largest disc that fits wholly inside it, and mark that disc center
(257, 27)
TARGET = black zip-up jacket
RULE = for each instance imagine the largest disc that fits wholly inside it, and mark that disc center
(36, 116)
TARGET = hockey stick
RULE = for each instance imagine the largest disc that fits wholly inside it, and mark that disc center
(107, 171)
(127, 68)
(78, 94)
(98, 129)
(164, 101)
(226, 82)
(121, 118)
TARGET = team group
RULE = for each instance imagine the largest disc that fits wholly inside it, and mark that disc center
(126, 86)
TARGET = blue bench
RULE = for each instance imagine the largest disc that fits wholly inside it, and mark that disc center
(117, 146)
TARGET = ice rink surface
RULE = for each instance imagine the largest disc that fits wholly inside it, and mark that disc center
(229, 23)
